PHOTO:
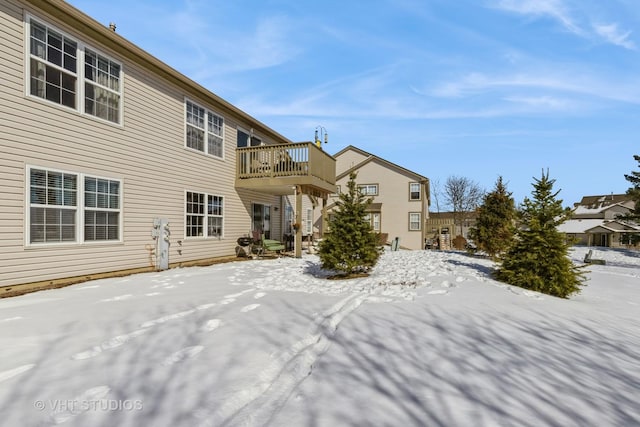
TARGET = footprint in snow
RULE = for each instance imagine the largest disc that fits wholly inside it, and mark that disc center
(236, 295)
(227, 301)
(5, 375)
(249, 307)
(114, 342)
(153, 294)
(211, 325)
(438, 292)
(180, 355)
(447, 284)
(118, 298)
(531, 294)
(259, 295)
(460, 279)
(206, 306)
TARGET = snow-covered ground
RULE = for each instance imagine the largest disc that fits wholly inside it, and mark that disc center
(429, 339)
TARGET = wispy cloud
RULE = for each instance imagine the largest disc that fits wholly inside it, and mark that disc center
(543, 102)
(612, 34)
(574, 21)
(476, 83)
(555, 9)
(548, 80)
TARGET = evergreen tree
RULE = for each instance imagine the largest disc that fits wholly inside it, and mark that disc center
(538, 260)
(494, 229)
(351, 246)
(634, 192)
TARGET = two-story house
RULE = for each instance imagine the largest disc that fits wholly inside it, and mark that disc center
(113, 162)
(400, 202)
(595, 221)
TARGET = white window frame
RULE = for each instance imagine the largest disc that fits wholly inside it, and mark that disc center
(412, 220)
(368, 189)
(373, 218)
(375, 221)
(214, 216)
(109, 196)
(211, 121)
(80, 78)
(79, 209)
(308, 223)
(205, 216)
(411, 198)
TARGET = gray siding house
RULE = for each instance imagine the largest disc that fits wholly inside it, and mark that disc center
(106, 153)
(595, 221)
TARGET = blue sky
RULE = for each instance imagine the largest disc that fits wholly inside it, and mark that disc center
(472, 88)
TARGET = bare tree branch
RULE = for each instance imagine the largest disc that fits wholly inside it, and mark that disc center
(464, 196)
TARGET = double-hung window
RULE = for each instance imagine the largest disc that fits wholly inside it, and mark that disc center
(308, 224)
(53, 66)
(53, 206)
(204, 215)
(55, 74)
(101, 209)
(373, 218)
(414, 191)
(101, 87)
(214, 216)
(415, 221)
(72, 207)
(204, 130)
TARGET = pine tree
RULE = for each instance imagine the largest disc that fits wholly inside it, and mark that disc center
(634, 192)
(494, 229)
(538, 260)
(351, 246)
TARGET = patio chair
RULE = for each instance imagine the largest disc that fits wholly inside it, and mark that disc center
(270, 246)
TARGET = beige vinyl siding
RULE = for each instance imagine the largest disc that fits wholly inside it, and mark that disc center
(393, 194)
(147, 152)
(347, 160)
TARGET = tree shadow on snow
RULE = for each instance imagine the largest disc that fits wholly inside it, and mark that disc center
(437, 368)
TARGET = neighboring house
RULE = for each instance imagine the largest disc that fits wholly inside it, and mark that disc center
(441, 227)
(595, 221)
(400, 197)
(113, 162)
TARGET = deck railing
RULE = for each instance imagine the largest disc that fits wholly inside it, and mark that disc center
(272, 161)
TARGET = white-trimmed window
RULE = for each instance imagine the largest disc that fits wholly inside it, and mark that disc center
(53, 206)
(204, 214)
(373, 218)
(414, 191)
(214, 216)
(204, 130)
(308, 223)
(71, 207)
(102, 86)
(375, 221)
(415, 221)
(54, 74)
(368, 189)
(101, 209)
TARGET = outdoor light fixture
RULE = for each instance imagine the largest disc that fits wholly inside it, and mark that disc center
(323, 135)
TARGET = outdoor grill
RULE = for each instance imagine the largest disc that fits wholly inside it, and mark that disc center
(244, 241)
